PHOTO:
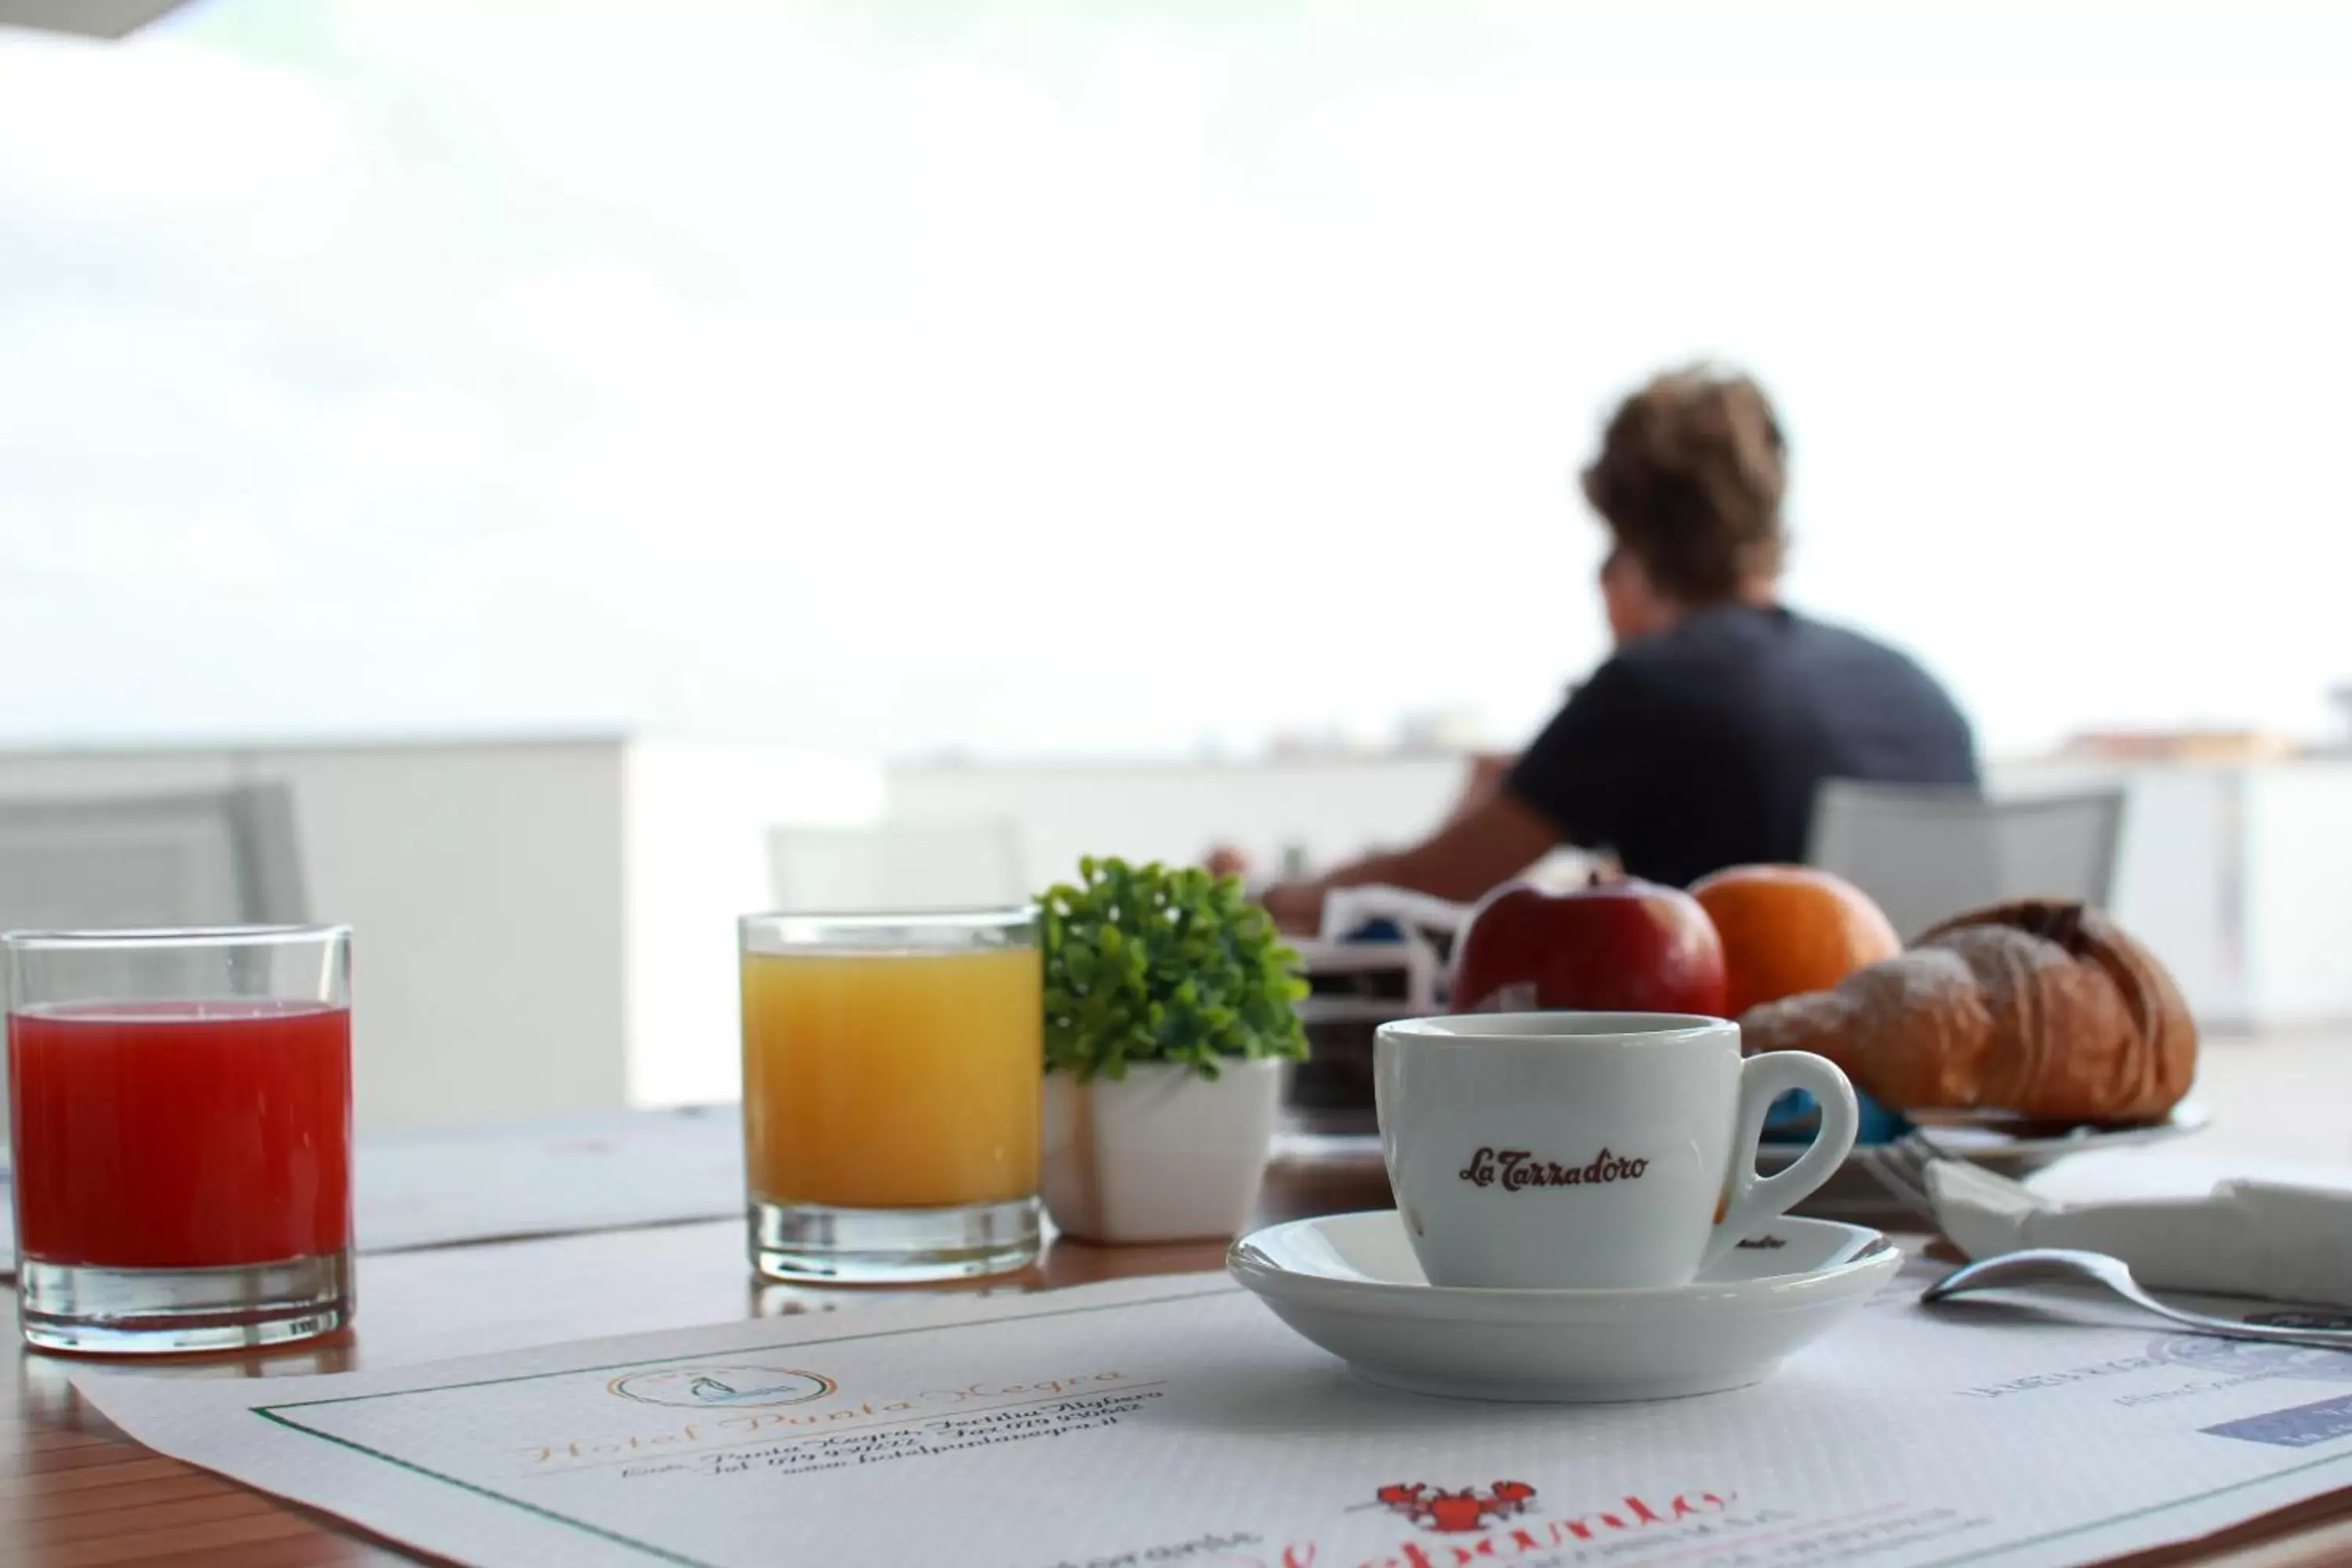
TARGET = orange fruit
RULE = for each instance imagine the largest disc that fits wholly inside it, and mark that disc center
(1791, 928)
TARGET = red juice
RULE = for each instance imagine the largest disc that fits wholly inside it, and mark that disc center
(182, 1134)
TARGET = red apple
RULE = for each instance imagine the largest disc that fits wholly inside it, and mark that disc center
(1614, 946)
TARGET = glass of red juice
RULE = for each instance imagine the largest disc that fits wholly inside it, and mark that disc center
(181, 1104)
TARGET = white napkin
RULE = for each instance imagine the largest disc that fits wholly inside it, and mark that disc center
(2281, 1241)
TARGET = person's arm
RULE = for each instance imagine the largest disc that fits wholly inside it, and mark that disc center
(1579, 783)
(1477, 848)
(1487, 772)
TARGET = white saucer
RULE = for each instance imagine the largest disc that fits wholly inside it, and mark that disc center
(1351, 1284)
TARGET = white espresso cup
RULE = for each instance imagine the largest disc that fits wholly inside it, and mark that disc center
(1590, 1150)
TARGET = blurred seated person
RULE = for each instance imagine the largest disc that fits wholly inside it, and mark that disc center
(1700, 742)
(1226, 861)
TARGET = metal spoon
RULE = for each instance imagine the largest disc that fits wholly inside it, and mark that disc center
(2042, 1265)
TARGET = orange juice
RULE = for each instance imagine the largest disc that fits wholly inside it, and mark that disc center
(898, 1079)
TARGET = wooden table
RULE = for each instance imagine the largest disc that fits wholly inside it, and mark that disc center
(76, 1493)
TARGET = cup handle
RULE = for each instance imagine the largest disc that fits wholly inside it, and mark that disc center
(1751, 1200)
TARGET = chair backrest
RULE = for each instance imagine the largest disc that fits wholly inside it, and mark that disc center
(895, 866)
(225, 857)
(1928, 854)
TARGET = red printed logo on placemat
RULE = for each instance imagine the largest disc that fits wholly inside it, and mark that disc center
(1456, 1511)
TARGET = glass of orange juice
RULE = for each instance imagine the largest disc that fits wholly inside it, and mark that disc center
(892, 1070)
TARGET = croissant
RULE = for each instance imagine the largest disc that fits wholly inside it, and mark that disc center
(2041, 1006)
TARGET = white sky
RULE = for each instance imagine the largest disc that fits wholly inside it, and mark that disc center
(1105, 378)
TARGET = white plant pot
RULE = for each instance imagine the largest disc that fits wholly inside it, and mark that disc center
(1162, 1154)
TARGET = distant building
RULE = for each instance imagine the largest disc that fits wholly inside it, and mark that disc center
(1318, 745)
(1442, 730)
(2177, 746)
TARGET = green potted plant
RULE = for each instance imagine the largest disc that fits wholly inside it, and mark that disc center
(1169, 1014)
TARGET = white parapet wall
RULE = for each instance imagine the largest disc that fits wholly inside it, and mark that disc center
(482, 882)
(538, 926)
(697, 820)
(2298, 857)
(547, 925)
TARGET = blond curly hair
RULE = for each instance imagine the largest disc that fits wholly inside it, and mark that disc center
(1689, 479)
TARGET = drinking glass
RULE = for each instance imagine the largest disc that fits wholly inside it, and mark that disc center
(182, 1104)
(892, 1075)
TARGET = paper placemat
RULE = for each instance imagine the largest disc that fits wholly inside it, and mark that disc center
(1176, 1421)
